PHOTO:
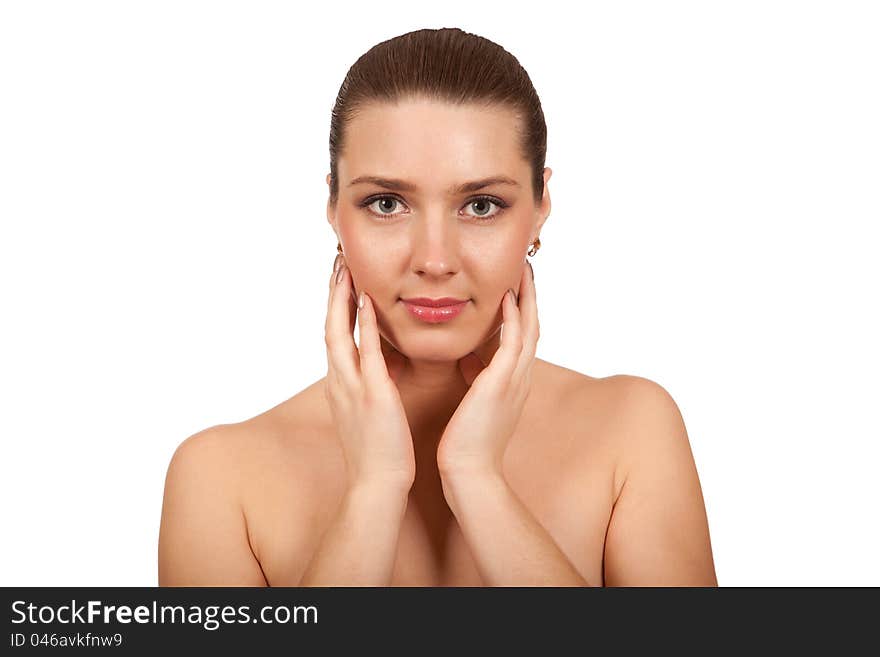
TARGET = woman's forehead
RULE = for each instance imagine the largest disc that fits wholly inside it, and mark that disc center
(442, 143)
(432, 123)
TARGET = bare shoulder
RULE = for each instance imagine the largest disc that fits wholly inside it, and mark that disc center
(625, 389)
(203, 537)
(647, 422)
(617, 403)
(658, 532)
(613, 413)
(634, 411)
(227, 487)
(639, 400)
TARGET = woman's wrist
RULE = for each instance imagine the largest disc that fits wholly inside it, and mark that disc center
(390, 488)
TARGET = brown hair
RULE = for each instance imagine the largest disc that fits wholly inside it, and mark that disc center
(445, 64)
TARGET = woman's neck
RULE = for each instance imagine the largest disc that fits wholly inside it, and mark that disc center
(432, 390)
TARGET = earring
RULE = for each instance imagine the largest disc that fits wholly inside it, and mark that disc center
(535, 246)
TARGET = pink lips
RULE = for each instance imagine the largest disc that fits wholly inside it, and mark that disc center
(434, 310)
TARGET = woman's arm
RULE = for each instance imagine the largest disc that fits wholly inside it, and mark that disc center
(203, 537)
(658, 534)
(509, 546)
(359, 547)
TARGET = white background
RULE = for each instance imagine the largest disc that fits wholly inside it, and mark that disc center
(164, 250)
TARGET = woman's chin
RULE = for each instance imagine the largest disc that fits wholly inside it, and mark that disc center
(438, 345)
(435, 348)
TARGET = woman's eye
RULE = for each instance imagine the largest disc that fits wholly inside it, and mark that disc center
(485, 207)
(383, 203)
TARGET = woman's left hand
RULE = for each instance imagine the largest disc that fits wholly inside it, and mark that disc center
(477, 435)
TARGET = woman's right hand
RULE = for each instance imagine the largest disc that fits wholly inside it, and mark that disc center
(367, 411)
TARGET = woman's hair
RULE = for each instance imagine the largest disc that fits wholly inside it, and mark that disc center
(449, 65)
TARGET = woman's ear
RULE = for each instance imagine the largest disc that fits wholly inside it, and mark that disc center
(545, 206)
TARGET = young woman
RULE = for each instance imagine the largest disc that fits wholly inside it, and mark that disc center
(439, 451)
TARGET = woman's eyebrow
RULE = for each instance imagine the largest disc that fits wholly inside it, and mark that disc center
(404, 186)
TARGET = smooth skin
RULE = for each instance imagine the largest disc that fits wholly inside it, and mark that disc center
(441, 416)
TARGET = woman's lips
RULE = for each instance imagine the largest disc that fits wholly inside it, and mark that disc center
(434, 314)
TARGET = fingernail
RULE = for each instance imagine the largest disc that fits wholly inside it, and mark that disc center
(340, 273)
(337, 262)
(531, 269)
(513, 296)
(361, 300)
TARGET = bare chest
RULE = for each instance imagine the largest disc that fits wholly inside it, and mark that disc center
(562, 475)
(574, 511)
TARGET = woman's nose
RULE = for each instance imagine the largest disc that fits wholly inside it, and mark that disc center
(435, 248)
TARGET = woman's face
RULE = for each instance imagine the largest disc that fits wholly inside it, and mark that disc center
(420, 236)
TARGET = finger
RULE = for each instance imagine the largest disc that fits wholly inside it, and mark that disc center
(342, 353)
(508, 354)
(352, 306)
(528, 313)
(331, 286)
(372, 361)
(332, 282)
